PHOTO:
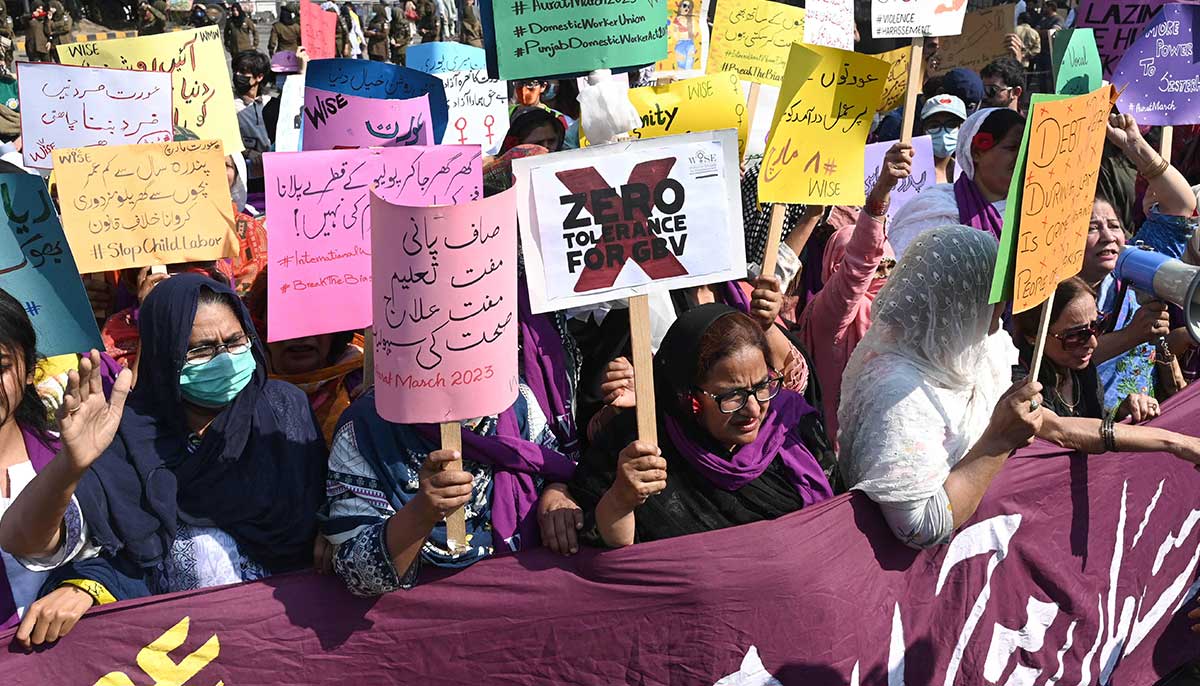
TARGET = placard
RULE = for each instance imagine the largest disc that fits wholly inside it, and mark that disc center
(478, 108)
(753, 37)
(687, 40)
(76, 107)
(443, 56)
(139, 205)
(537, 38)
(626, 219)
(380, 80)
(1117, 23)
(319, 225)
(896, 85)
(37, 268)
(829, 23)
(982, 39)
(291, 114)
(1065, 144)
(445, 309)
(335, 120)
(923, 175)
(826, 105)
(318, 31)
(912, 18)
(1158, 75)
(1077, 67)
(703, 103)
(195, 58)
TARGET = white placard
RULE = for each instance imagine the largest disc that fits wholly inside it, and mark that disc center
(613, 221)
(912, 18)
(64, 106)
(478, 109)
(829, 23)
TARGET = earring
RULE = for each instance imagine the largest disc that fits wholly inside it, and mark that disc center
(695, 406)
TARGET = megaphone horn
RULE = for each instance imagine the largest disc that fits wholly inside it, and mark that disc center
(1168, 279)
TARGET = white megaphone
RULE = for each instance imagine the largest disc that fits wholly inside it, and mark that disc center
(1165, 278)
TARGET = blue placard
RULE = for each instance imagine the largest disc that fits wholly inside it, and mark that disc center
(441, 57)
(380, 80)
(37, 268)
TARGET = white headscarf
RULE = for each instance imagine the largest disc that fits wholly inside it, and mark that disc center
(920, 388)
(966, 137)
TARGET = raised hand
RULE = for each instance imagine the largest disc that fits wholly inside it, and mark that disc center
(87, 420)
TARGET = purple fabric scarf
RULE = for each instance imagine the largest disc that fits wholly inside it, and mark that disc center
(974, 210)
(40, 455)
(731, 294)
(544, 370)
(775, 439)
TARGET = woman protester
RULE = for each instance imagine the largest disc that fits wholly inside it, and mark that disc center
(216, 473)
(28, 445)
(732, 441)
(856, 265)
(986, 154)
(535, 126)
(390, 487)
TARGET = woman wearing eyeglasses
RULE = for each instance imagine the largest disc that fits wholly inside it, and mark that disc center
(1072, 395)
(730, 441)
(215, 474)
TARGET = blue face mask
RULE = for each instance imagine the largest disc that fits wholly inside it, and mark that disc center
(945, 140)
(217, 382)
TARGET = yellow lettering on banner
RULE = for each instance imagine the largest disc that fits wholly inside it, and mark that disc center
(753, 37)
(1066, 140)
(897, 78)
(705, 103)
(819, 136)
(139, 205)
(195, 58)
(156, 662)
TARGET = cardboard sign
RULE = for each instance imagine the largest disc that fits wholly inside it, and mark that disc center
(704, 103)
(829, 23)
(318, 31)
(981, 40)
(1077, 67)
(319, 225)
(1158, 75)
(687, 40)
(1066, 139)
(1117, 24)
(626, 219)
(923, 173)
(441, 56)
(912, 18)
(335, 120)
(445, 309)
(896, 85)
(541, 37)
(478, 108)
(37, 268)
(753, 37)
(195, 58)
(380, 80)
(78, 107)
(826, 105)
(138, 205)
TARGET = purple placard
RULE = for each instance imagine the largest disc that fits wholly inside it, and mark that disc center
(923, 173)
(1158, 73)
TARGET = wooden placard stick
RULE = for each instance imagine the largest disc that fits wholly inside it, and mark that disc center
(915, 63)
(751, 107)
(1040, 345)
(456, 522)
(643, 373)
(1168, 139)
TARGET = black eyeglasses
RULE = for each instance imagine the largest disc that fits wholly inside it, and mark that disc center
(205, 353)
(733, 401)
(1080, 335)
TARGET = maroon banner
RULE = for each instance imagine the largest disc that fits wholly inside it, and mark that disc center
(1074, 571)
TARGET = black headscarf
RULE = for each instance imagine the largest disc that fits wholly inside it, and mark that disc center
(258, 473)
(675, 361)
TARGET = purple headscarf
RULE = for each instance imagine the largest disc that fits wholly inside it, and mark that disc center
(544, 370)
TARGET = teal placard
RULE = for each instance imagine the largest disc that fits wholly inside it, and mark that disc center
(1077, 66)
(1006, 257)
(537, 38)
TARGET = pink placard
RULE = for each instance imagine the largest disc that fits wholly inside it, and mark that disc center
(335, 120)
(445, 298)
(319, 227)
(317, 30)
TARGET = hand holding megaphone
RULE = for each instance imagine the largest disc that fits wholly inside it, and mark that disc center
(1151, 321)
(1165, 279)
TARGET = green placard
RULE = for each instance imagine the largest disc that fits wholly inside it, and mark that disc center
(1077, 67)
(1006, 257)
(537, 38)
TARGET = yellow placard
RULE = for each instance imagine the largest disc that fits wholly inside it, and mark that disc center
(818, 140)
(138, 205)
(897, 79)
(753, 37)
(203, 93)
(981, 40)
(705, 103)
(1066, 141)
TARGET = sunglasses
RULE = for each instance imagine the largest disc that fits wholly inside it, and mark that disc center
(994, 90)
(1080, 335)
